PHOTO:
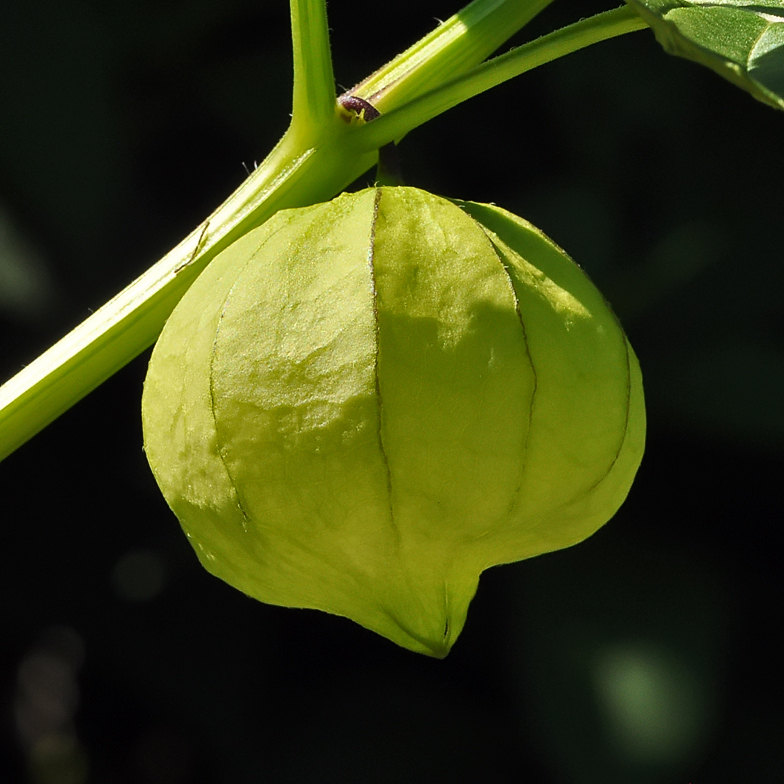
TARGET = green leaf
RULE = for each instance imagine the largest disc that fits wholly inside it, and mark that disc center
(743, 40)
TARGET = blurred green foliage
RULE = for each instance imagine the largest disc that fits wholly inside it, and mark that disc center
(647, 654)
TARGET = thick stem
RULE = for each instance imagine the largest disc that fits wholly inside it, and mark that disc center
(455, 46)
(133, 319)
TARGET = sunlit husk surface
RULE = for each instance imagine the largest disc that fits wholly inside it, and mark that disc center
(360, 406)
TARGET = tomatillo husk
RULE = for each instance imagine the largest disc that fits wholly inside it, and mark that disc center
(361, 405)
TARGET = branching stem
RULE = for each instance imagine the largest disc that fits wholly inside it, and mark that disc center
(325, 149)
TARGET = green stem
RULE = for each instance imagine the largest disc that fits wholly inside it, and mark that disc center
(313, 104)
(133, 319)
(324, 150)
(455, 46)
(395, 124)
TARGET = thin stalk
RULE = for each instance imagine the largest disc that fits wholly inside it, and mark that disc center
(313, 103)
(395, 124)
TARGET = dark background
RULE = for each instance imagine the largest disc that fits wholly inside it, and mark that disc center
(647, 654)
